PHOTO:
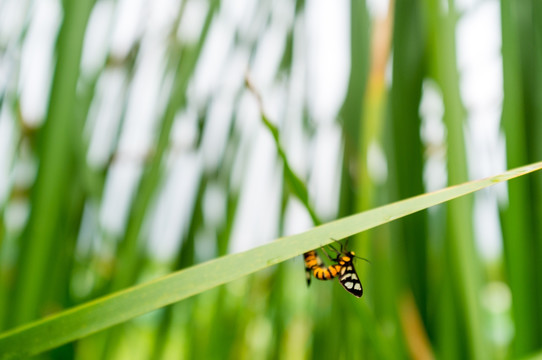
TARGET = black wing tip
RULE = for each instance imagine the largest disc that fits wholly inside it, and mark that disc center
(358, 295)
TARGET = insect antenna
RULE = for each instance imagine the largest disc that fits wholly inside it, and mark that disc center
(362, 258)
(341, 251)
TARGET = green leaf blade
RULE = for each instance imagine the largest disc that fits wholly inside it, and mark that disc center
(118, 307)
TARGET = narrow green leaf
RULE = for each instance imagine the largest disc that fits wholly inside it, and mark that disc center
(409, 43)
(519, 221)
(49, 195)
(116, 308)
(297, 186)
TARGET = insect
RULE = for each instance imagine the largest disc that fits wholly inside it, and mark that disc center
(343, 269)
(348, 277)
(314, 264)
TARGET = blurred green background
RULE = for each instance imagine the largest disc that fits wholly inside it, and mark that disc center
(130, 148)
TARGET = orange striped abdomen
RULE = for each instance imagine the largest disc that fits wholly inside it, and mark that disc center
(312, 260)
(323, 273)
(314, 264)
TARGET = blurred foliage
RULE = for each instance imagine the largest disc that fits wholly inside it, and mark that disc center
(428, 291)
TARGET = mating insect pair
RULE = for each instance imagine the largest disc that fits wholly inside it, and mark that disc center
(343, 269)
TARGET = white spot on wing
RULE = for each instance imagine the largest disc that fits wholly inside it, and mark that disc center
(349, 284)
(357, 287)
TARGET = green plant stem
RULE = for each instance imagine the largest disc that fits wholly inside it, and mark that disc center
(48, 195)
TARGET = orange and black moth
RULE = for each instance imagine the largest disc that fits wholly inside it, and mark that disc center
(343, 269)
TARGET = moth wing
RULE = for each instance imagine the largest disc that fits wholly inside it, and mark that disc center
(349, 280)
